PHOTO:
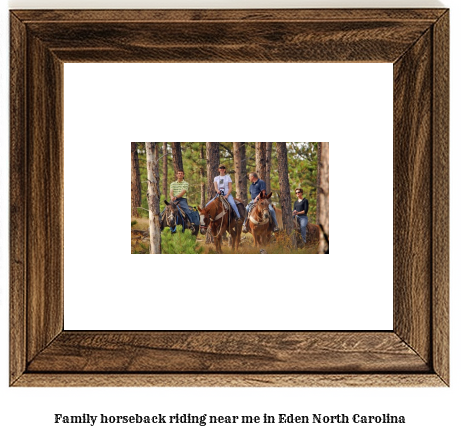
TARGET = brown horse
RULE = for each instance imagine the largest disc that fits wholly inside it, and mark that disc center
(259, 221)
(219, 220)
(312, 233)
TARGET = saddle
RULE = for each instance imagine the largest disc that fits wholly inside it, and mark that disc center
(225, 203)
(240, 207)
(192, 220)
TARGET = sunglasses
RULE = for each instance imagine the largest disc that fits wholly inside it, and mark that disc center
(298, 192)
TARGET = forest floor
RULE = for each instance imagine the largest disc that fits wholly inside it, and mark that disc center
(279, 244)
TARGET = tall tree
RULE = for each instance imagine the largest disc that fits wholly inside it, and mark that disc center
(319, 158)
(260, 158)
(153, 183)
(202, 178)
(135, 181)
(324, 198)
(268, 166)
(177, 157)
(240, 166)
(212, 164)
(165, 170)
(285, 197)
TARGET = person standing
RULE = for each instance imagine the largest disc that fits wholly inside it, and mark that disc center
(300, 209)
(257, 188)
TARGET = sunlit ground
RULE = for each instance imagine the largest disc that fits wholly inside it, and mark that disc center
(279, 244)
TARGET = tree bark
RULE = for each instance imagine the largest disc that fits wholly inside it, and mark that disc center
(260, 158)
(212, 164)
(135, 181)
(240, 171)
(323, 206)
(177, 157)
(165, 170)
(268, 167)
(285, 198)
(153, 182)
(202, 178)
(319, 159)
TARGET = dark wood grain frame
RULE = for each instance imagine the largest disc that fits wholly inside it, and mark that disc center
(414, 353)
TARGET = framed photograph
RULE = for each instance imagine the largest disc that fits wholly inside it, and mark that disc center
(415, 352)
(209, 211)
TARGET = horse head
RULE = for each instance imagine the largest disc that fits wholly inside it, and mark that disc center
(204, 219)
(170, 213)
(263, 206)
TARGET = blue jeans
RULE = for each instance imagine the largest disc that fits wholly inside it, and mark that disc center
(303, 220)
(182, 203)
(271, 211)
(231, 201)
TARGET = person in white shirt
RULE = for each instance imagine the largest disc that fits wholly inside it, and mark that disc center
(223, 186)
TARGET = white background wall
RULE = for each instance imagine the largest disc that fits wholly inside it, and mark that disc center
(32, 410)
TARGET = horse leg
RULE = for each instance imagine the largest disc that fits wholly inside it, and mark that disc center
(255, 237)
(257, 240)
(218, 244)
(238, 232)
(232, 237)
(234, 234)
(263, 239)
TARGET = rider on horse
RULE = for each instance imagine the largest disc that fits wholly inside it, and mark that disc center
(223, 186)
(257, 188)
(178, 193)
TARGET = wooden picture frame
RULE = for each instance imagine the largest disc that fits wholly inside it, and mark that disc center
(414, 353)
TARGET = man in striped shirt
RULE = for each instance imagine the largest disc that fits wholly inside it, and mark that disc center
(178, 193)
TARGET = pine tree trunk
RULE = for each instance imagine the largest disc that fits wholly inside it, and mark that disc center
(153, 197)
(165, 170)
(268, 167)
(319, 159)
(212, 164)
(202, 178)
(260, 158)
(240, 171)
(285, 198)
(323, 206)
(135, 181)
(177, 157)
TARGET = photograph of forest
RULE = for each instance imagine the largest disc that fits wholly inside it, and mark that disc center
(230, 197)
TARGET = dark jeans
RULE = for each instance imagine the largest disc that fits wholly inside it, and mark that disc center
(182, 203)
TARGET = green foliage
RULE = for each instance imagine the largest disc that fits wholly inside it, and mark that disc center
(179, 242)
(133, 223)
(302, 170)
(140, 249)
